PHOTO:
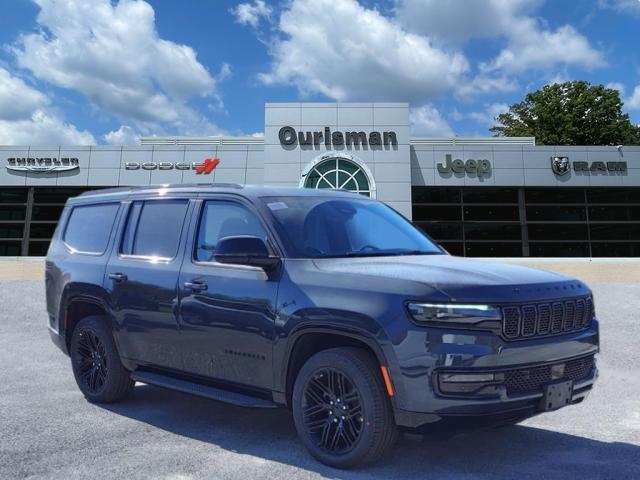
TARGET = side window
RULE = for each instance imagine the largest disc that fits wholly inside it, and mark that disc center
(89, 227)
(153, 228)
(224, 219)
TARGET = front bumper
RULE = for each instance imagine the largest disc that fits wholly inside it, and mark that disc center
(420, 400)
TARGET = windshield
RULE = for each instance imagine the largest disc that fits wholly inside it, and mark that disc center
(317, 227)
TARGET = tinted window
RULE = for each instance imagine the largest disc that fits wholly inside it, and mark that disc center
(315, 227)
(89, 227)
(154, 227)
(224, 219)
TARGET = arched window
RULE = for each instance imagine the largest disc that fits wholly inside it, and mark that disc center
(341, 173)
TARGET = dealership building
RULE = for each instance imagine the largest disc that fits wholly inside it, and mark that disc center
(480, 196)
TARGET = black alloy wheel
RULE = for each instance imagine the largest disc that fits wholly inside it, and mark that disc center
(332, 411)
(93, 365)
(341, 408)
(96, 363)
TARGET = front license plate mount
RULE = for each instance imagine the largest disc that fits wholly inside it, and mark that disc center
(557, 395)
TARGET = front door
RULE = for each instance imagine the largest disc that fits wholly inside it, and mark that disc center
(227, 312)
(142, 276)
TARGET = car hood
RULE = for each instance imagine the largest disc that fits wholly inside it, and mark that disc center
(462, 279)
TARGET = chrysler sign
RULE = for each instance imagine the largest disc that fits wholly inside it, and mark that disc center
(42, 164)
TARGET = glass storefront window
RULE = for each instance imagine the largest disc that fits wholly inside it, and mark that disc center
(558, 213)
(13, 195)
(491, 213)
(11, 212)
(42, 230)
(10, 249)
(564, 249)
(553, 195)
(555, 231)
(11, 230)
(490, 195)
(55, 194)
(46, 212)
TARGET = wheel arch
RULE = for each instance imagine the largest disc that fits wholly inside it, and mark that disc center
(307, 341)
(78, 305)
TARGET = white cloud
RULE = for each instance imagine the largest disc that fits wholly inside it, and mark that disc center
(42, 128)
(633, 102)
(623, 6)
(483, 84)
(356, 53)
(461, 20)
(529, 44)
(529, 47)
(26, 117)
(251, 14)
(427, 121)
(17, 99)
(488, 117)
(113, 55)
(125, 135)
(616, 86)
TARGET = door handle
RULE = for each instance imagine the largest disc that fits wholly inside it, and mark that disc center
(118, 277)
(196, 285)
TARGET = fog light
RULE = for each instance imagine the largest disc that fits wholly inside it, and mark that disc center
(467, 377)
(469, 383)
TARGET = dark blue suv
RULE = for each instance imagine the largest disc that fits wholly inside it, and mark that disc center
(326, 302)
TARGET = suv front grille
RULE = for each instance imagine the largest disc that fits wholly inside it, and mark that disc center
(533, 380)
(549, 318)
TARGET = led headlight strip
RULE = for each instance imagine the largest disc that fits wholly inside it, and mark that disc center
(453, 313)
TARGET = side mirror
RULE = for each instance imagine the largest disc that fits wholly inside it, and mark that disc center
(244, 250)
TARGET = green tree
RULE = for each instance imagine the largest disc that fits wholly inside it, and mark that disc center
(570, 113)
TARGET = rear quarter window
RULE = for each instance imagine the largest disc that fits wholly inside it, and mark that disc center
(154, 228)
(89, 227)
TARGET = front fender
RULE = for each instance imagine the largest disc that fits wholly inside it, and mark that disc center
(335, 322)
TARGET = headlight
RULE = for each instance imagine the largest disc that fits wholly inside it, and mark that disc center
(453, 313)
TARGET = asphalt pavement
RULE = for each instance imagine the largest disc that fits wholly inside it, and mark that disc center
(48, 430)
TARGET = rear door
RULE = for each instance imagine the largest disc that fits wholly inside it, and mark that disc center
(142, 276)
(227, 312)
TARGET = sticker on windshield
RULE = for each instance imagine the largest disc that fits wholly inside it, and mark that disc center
(277, 206)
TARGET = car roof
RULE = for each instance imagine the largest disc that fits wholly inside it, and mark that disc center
(248, 191)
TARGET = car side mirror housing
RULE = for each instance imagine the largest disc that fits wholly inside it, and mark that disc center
(245, 250)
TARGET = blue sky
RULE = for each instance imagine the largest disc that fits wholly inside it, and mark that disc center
(100, 71)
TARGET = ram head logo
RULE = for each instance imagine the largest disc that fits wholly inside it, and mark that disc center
(560, 165)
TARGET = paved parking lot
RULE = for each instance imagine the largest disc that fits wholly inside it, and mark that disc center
(47, 429)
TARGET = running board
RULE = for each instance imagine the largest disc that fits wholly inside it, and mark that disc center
(202, 390)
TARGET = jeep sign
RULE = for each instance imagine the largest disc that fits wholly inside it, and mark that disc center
(470, 166)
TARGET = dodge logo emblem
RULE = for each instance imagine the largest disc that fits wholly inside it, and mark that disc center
(560, 165)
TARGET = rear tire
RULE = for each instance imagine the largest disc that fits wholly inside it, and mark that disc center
(341, 409)
(96, 363)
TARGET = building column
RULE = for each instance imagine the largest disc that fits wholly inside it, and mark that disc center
(26, 234)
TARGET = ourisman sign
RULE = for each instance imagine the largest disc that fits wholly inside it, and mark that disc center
(289, 136)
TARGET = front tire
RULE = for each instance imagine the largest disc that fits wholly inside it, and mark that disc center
(96, 364)
(341, 409)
